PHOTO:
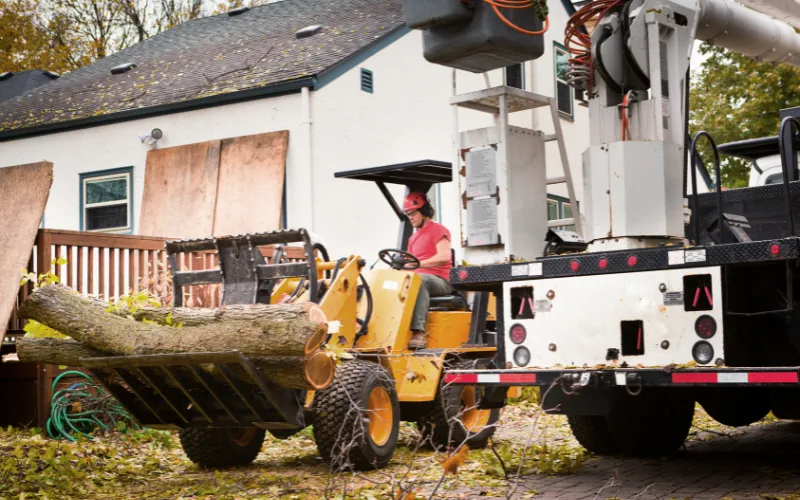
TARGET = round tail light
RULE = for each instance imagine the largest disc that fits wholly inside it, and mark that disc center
(702, 352)
(522, 356)
(705, 326)
(517, 334)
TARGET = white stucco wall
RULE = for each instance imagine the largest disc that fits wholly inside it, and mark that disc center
(406, 118)
(118, 145)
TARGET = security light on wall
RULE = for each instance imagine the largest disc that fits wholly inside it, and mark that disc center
(151, 137)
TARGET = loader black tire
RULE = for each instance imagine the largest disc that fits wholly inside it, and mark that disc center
(653, 423)
(592, 433)
(222, 448)
(453, 414)
(357, 417)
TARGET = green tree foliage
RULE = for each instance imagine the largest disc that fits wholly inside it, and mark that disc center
(734, 97)
(29, 40)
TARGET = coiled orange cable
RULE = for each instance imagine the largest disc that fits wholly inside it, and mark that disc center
(517, 4)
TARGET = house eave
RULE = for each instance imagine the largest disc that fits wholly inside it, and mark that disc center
(276, 89)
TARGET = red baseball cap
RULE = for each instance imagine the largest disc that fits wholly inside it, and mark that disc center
(414, 201)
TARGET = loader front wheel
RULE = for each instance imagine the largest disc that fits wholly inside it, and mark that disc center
(454, 417)
(357, 417)
(221, 448)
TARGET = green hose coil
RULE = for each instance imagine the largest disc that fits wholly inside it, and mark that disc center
(82, 408)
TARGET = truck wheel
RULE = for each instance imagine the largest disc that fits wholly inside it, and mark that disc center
(454, 417)
(654, 423)
(220, 448)
(357, 417)
(592, 433)
(736, 407)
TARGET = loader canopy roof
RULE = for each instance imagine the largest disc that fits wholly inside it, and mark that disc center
(410, 173)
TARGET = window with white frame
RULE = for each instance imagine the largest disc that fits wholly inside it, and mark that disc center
(559, 208)
(106, 200)
(564, 95)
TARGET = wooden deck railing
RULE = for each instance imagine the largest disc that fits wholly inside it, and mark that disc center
(111, 265)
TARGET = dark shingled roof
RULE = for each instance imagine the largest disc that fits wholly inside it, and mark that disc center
(209, 57)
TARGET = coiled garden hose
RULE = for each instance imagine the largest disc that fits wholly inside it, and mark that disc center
(83, 407)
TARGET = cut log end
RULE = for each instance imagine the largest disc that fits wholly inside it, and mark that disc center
(316, 339)
(319, 370)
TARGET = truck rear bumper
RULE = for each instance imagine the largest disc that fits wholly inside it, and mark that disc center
(632, 378)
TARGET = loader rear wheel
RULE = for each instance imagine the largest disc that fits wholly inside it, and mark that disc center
(592, 433)
(454, 417)
(221, 448)
(653, 423)
(357, 418)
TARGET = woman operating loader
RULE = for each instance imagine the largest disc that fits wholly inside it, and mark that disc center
(430, 243)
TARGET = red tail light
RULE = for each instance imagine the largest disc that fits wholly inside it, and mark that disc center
(705, 326)
(517, 334)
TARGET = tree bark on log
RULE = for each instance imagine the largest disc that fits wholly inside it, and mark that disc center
(255, 330)
(66, 352)
(204, 316)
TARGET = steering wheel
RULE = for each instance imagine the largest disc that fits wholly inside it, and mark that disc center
(399, 260)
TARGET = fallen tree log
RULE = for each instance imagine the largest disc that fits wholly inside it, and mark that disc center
(66, 352)
(256, 330)
(313, 372)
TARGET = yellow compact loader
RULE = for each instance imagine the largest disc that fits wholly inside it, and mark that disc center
(378, 381)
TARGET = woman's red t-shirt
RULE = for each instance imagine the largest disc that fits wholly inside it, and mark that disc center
(422, 245)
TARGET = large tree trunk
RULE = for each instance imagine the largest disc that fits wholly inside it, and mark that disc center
(283, 341)
(255, 330)
(313, 372)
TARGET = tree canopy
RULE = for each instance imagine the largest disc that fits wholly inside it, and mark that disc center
(63, 35)
(734, 97)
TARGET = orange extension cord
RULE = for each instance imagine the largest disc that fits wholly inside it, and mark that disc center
(516, 4)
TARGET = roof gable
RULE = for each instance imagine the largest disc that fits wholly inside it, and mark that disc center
(208, 57)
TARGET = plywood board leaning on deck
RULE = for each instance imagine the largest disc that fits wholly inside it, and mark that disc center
(24, 190)
(250, 192)
(180, 189)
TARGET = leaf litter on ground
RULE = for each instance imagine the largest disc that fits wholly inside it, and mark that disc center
(149, 464)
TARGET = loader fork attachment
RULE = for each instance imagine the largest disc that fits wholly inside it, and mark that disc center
(245, 275)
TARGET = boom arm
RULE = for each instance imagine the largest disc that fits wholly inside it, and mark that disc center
(748, 32)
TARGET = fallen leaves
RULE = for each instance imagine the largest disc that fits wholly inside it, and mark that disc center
(456, 460)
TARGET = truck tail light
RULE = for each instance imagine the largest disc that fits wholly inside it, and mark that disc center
(702, 352)
(522, 356)
(517, 334)
(705, 326)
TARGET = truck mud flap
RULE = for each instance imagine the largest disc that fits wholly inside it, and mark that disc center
(175, 391)
(631, 378)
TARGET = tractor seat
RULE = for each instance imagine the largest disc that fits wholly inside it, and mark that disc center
(448, 303)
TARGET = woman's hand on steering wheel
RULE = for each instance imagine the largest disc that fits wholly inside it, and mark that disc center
(399, 260)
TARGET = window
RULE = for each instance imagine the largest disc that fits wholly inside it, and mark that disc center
(559, 208)
(515, 76)
(552, 210)
(564, 95)
(366, 80)
(106, 199)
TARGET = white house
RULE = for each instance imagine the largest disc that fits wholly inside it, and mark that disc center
(355, 94)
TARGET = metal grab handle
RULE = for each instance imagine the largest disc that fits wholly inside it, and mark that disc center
(695, 201)
(784, 134)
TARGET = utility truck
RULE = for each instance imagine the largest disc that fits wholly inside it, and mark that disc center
(660, 299)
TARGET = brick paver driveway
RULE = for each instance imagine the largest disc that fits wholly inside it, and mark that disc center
(761, 462)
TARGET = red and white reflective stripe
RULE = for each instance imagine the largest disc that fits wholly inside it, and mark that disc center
(490, 378)
(735, 378)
